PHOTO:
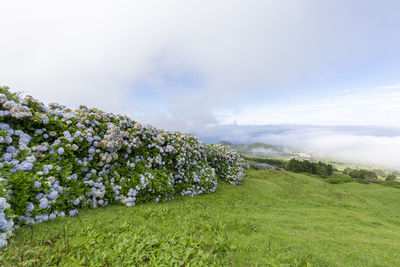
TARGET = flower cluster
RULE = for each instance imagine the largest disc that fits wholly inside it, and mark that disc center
(54, 160)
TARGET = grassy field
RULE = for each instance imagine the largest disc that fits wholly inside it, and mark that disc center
(273, 218)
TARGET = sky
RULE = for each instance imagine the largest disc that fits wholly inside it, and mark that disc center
(202, 66)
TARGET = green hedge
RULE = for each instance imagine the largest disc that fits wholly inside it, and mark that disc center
(54, 160)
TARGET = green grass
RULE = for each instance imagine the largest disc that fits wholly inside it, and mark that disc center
(273, 218)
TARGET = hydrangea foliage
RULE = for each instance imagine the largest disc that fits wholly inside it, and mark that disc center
(54, 160)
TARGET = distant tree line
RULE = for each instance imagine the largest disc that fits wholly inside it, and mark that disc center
(333, 175)
(274, 162)
(317, 168)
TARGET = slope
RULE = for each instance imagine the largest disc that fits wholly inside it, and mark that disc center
(274, 217)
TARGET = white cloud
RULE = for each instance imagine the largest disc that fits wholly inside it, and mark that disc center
(371, 106)
(95, 52)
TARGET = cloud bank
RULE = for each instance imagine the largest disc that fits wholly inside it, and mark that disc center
(369, 145)
(362, 106)
(196, 57)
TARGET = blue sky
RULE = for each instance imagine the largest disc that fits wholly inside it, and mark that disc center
(196, 65)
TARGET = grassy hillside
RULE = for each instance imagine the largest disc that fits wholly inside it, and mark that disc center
(274, 217)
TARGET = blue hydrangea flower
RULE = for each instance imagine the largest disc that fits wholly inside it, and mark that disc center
(7, 157)
(73, 212)
(37, 184)
(30, 207)
(60, 151)
(44, 203)
(11, 149)
(53, 195)
(24, 166)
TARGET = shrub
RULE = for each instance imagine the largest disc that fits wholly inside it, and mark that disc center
(360, 181)
(392, 184)
(340, 180)
(391, 177)
(54, 160)
(362, 174)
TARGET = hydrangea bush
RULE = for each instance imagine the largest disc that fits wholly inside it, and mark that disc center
(54, 160)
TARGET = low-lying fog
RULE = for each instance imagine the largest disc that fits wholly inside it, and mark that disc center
(377, 146)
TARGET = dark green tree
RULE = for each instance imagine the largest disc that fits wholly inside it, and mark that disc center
(391, 177)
